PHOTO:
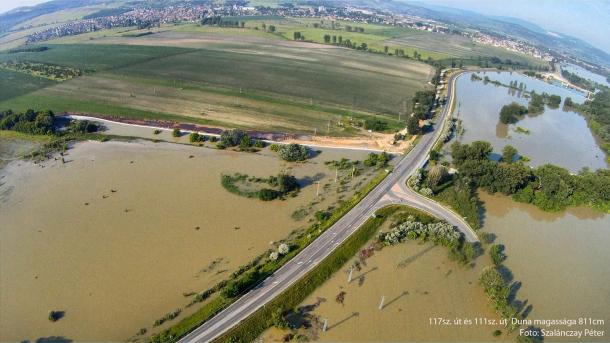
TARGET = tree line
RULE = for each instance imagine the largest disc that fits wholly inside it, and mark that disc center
(549, 187)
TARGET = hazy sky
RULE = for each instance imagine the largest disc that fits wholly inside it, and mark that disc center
(588, 20)
(6, 5)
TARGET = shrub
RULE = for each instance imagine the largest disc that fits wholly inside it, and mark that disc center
(168, 316)
(176, 132)
(377, 160)
(194, 137)
(375, 125)
(293, 152)
(232, 137)
(497, 254)
(267, 194)
(238, 286)
(426, 192)
(258, 143)
(55, 315)
(283, 249)
(322, 215)
(84, 126)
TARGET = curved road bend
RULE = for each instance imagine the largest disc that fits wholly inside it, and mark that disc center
(392, 190)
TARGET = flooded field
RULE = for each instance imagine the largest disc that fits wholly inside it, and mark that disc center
(418, 282)
(558, 136)
(560, 258)
(582, 72)
(118, 233)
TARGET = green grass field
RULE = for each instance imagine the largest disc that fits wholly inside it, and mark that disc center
(13, 84)
(434, 45)
(94, 57)
(243, 77)
(239, 81)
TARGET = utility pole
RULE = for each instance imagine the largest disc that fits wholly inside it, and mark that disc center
(325, 325)
(353, 170)
(318, 189)
(381, 303)
(349, 277)
(328, 129)
(336, 174)
(315, 131)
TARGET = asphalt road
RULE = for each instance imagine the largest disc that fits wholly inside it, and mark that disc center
(392, 190)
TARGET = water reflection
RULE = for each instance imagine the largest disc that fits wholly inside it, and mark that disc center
(557, 135)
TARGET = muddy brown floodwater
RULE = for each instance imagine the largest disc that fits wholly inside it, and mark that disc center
(116, 235)
(559, 260)
(418, 282)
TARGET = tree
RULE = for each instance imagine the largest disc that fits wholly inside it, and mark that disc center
(377, 160)
(413, 125)
(477, 150)
(271, 28)
(436, 175)
(497, 254)
(194, 137)
(296, 35)
(232, 137)
(278, 320)
(385, 49)
(267, 194)
(176, 132)
(334, 39)
(509, 153)
(283, 249)
(327, 38)
(245, 142)
(287, 183)
(509, 113)
(293, 152)
(31, 122)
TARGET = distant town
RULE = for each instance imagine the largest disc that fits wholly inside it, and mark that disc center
(147, 17)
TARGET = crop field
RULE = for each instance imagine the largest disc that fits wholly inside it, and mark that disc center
(456, 46)
(14, 83)
(93, 57)
(435, 45)
(230, 80)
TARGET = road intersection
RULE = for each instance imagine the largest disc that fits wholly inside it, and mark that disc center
(392, 190)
